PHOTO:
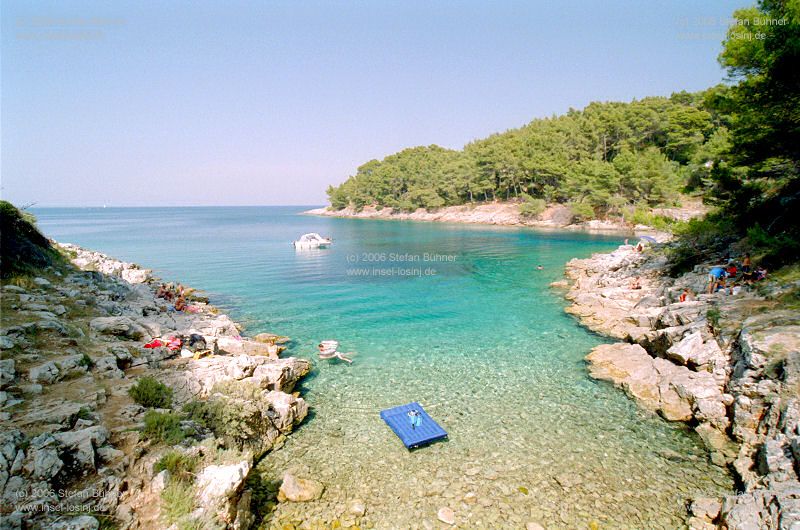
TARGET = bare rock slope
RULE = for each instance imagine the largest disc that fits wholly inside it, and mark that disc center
(729, 365)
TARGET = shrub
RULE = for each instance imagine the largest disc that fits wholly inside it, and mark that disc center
(150, 392)
(581, 211)
(86, 361)
(775, 250)
(177, 501)
(643, 216)
(532, 207)
(713, 315)
(699, 240)
(237, 412)
(180, 465)
(161, 427)
(24, 250)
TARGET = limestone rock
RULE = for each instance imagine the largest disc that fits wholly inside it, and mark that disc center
(219, 487)
(159, 482)
(706, 508)
(295, 489)
(44, 373)
(7, 372)
(119, 326)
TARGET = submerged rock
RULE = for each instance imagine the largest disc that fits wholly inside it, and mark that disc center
(295, 489)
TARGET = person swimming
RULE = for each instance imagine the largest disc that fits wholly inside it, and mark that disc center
(327, 350)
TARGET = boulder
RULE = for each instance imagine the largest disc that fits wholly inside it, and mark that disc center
(706, 508)
(198, 377)
(119, 326)
(44, 373)
(7, 372)
(79, 446)
(677, 393)
(135, 275)
(108, 367)
(43, 458)
(295, 489)
(159, 482)
(218, 489)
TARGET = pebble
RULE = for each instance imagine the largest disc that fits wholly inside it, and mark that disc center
(446, 515)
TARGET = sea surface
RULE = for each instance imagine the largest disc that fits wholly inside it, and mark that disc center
(457, 317)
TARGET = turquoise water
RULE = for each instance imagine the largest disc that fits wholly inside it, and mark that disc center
(476, 336)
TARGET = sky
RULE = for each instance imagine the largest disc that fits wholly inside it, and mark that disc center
(269, 102)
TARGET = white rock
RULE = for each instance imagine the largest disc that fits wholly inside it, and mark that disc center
(160, 482)
(357, 508)
(216, 484)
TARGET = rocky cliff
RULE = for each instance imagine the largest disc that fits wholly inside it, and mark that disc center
(728, 365)
(78, 451)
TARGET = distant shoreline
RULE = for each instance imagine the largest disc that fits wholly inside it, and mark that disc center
(555, 217)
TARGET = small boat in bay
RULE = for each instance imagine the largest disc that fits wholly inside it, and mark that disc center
(312, 240)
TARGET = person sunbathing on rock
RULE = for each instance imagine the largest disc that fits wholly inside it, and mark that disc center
(180, 303)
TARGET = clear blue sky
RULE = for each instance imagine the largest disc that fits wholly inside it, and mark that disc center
(263, 102)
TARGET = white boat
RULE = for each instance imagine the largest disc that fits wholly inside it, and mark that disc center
(312, 240)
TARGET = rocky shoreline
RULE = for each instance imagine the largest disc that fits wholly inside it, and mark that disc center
(504, 214)
(727, 365)
(76, 450)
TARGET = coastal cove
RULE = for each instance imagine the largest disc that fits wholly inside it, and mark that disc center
(482, 342)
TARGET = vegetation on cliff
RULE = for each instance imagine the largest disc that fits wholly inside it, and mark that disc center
(23, 248)
(606, 158)
(755, 183)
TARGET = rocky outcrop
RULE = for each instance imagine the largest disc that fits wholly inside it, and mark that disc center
(73, 344)
(729, 365)
(197, 378)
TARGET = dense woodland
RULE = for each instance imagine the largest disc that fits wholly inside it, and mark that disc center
(736, 144)
(599, 160)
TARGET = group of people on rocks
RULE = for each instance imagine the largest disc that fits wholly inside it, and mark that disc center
(176, 295)
(730, 277)
(194, 343)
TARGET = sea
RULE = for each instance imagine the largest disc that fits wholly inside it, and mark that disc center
(460, 318)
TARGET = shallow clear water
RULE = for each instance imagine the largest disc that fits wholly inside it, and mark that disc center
(481, 342)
